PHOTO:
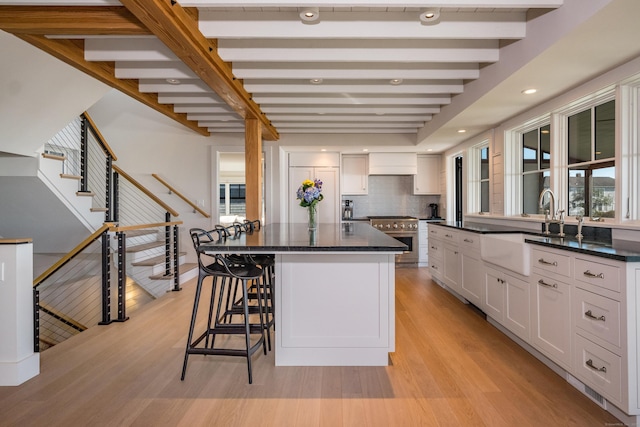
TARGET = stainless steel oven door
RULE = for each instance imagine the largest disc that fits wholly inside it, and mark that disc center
(409, 239)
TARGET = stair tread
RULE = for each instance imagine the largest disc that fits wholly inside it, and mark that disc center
(145, 246)
(69, 176)
(182, 268)
(153, 261)
(98, 209)
(54, 156)
(85, 193)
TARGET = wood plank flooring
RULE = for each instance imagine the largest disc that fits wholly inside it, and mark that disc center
(450, 368)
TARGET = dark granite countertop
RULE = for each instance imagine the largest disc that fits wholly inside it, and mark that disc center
(277, 238)
(603, 249)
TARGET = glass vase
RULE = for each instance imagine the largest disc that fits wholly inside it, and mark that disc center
(313, 217)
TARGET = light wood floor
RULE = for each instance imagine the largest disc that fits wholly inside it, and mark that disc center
(450, 368)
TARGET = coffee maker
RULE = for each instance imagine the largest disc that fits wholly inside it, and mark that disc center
(347, 209)
(434, 211)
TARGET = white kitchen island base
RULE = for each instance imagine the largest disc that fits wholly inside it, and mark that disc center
(334, 308)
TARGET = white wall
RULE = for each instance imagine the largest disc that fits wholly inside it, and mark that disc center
(39, 95)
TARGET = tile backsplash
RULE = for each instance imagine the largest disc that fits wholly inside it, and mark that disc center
(391, 195)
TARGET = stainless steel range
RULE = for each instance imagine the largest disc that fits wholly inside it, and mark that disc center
(403, 229)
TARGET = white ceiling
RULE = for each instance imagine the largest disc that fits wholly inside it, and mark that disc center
(466, 71)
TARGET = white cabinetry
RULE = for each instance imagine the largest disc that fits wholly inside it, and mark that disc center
(322, 166)
(507, 301)
(471, 283)
(427, 178)
(451, 260)
(551, 300)
(435, 249)
(423, 244)
(354, 171)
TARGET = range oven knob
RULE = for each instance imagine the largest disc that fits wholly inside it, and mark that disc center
(402, 225)
(395, 225)
(388, 225)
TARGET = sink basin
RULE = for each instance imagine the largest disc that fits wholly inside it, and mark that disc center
(508, 251)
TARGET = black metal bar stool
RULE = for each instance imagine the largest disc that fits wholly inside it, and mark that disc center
(224, 273)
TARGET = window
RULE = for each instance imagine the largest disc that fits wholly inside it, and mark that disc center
(484, 179)
(536, 164)
(232, 199)
(591, 162)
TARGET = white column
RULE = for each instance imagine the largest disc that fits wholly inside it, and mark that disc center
(18, 361)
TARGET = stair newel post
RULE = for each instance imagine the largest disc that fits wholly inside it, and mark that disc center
(106, 280)
(84, 155)
(176, 255)
(116, 197)
(167, 245)
(36, 320)
(108, 190)
(122, 277)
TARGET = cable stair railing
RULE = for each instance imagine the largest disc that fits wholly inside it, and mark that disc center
(138, 243)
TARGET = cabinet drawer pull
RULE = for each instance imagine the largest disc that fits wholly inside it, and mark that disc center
(433, 247)
(589, 363)
(448, 235)
(468, 240)
(542, 261)
(591, 316)
(434, 267)
(500, 280)
(433, 231)
(455, 252)
(593, 276)
(543, 283)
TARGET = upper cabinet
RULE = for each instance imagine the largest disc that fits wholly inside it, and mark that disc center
(355, 179)
(427, 179)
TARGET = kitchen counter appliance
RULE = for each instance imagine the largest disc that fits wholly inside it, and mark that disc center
(403, 229)
(347, 209)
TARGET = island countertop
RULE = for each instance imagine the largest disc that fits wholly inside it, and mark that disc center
(283, 237)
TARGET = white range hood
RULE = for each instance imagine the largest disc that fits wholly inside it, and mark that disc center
(393, 164)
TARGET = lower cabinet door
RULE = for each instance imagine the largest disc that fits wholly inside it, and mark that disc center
(471, 285)
(517, 314)
(552, 319)
(493, 304)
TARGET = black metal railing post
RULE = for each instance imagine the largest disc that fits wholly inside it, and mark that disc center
(176, 255)
(106, 280)
(167, 245)
(122, 277)
(84, 155)
(36, 320)
(108, 215)
(116, 197)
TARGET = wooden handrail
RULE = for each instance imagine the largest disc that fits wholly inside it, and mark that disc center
(145, 191)
(101, 140)
(116, 228)
(173, 190)
(62, 261)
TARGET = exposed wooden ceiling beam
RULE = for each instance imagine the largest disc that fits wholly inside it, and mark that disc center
(72, 52)
(59, 20)
(178, 30)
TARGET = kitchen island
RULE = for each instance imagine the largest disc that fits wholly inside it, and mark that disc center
(334, 289)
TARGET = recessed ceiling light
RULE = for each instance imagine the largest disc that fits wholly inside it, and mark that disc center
(310, 15)
(430, 16)
(173, 81)
(529, 91)
(462, 130)
(315, 81)
(323, 149)
(395, 81)
(429, 149)
(365, 149)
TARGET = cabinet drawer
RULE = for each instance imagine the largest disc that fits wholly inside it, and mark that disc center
(435, 267)
(598, 274)
(551, 262)
(435, 231)
(469, 241)
(598, 368)
(435, 249)
(597, 315)
(450, 235)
